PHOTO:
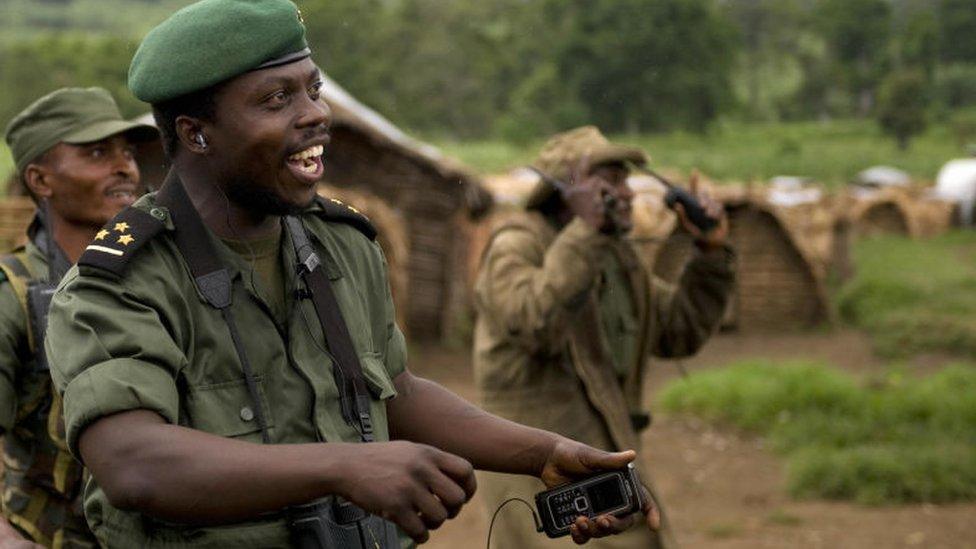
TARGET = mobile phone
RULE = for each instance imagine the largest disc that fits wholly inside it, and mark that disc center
(616, 493)
(696, 213)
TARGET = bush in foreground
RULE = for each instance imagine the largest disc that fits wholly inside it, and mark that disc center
(896, 440)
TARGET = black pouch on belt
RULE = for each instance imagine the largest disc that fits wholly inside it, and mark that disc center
(334, 523)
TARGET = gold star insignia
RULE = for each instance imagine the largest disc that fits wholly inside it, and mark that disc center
(101, 235)
(354, 209)
(337, 201)
(122, 227)
(300, 18)
(125, 239)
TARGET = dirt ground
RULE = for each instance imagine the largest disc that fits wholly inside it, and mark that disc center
(724, 490)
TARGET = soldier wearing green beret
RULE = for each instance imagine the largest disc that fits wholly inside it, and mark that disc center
(567, 314)
(228, 355)
(74, 154)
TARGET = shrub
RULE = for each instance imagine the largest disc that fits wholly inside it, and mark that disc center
(896, 440)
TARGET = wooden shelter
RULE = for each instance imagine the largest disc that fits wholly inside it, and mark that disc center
(419, 198)
(914, 212)
(430, 192)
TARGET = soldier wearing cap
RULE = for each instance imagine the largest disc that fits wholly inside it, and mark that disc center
(228, 355)
(74, 154)
(567, 314)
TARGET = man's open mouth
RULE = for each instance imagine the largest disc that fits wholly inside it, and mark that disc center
(308, 161)
(122, 192)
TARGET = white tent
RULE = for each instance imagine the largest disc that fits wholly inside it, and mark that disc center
(883, 176)
(957, 182)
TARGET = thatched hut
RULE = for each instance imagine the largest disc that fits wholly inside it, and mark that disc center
(914, 212)
(418, 197)
(432, 193)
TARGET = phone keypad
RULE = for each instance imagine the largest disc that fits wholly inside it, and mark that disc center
(568, 505)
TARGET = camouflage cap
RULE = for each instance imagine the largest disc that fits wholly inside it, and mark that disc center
(68, 115)
(564, 152)
(211, 41)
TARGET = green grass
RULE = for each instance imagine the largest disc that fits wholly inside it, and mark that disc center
(723, 530)
(914, 296)
(830, 152)
(894, 440)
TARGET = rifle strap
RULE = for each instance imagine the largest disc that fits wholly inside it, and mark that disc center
(210, 277)
(354, 398)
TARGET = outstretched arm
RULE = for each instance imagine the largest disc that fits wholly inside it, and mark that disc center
(426, 412)
(183, 475)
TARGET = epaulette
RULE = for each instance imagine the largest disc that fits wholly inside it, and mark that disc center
(336, 210)
(120, 239)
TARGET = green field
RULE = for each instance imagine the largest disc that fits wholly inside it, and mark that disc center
(915, 296)
(890, 439)
(830, 152)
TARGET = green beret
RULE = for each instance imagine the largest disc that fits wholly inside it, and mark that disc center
(212, 41)
(68, 115)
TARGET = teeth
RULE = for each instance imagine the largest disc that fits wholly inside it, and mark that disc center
(314, 150)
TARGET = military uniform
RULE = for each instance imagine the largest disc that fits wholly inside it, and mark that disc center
(161, 315)
(42, 483)
(144, 338)
(566, 321)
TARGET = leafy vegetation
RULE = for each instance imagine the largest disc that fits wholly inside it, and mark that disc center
(518, 70)
(914, 296)
(896, 439)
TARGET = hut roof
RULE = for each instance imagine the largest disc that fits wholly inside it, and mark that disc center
(918, 211)
(349, 112)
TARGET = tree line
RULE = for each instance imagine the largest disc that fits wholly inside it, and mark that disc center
(518, 69)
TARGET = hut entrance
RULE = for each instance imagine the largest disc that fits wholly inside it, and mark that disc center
(776, 286)
(884, 218)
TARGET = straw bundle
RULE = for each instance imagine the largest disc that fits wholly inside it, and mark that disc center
(15, 214)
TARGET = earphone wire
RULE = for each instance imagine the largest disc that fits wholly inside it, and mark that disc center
(491, 525)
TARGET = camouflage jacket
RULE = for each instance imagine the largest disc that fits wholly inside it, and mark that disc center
(42, 483)
(543, 351)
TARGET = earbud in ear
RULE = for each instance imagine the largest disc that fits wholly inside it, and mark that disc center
(201, 140)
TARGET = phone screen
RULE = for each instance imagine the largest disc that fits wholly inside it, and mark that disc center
(606, 495)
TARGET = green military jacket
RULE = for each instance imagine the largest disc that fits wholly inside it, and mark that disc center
(148, 340)
(42, 483)
(558, 314)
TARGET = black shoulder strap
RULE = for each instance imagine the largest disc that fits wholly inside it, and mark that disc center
(336, 210)
(211, 278)
(118, 241)
(354, 398)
